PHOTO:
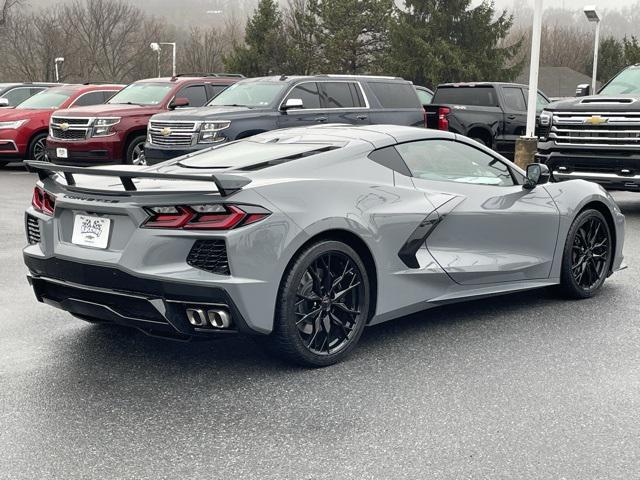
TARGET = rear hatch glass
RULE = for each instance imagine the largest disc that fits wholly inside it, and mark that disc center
(479, 96)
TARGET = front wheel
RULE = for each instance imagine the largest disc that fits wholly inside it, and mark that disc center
(135, 151)
(323, 305)
(587, 255)
(38, 147)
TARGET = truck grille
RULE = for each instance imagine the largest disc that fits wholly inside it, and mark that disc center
(33, 230)
(80, 134)
(167, 133)
(69, 128)
(596, 129)
(209, 255)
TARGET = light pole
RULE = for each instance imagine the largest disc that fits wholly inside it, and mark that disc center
(592, 16)
(56, 62)
(155, 46)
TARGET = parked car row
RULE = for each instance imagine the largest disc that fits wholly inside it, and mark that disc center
(94, 124)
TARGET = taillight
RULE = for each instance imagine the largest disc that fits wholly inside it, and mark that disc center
(204, 217)
(43, 202)
(443, 122)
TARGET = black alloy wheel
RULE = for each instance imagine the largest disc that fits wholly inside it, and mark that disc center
(323, 305)
(587, 255)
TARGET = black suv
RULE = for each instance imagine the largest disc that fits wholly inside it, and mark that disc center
(256, 105)
(12, 94)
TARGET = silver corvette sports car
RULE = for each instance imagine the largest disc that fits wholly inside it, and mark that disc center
(302, 237)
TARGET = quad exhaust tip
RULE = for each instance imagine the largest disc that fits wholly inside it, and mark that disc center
(213, 317)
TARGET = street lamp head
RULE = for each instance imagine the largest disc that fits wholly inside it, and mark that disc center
(59, 59)
(155, 47)
(591, 13)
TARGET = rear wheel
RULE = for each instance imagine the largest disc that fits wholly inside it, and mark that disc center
(38, 147)
(135, 151)
(323, 305)
(587, 255)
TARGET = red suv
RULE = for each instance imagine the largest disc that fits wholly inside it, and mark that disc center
(116, 131)
(23, 130)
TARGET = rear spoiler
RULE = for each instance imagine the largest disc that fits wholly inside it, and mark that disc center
(225, 183)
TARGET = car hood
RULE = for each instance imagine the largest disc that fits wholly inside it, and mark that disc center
(205, 113)
(22, 113)
(109, 110)
(598, 103)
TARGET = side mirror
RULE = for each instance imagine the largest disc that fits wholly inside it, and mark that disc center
(583, 90)
(178, 102)
(4, 102)
(537, 174)
(292, 103)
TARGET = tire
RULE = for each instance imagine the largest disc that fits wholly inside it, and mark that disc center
(38, 147)
(302, 337)
(135, 151)
(4, 164)
(586, 257)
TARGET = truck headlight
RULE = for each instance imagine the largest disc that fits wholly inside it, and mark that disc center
(544, 125)
(103, 127)
(210, 131)
(12, 125)
(546, 118)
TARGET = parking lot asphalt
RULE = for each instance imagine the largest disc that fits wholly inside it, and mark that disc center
(520, 386)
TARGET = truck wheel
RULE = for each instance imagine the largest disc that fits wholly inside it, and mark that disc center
(135, 151)
(38, 147)
(480, 140)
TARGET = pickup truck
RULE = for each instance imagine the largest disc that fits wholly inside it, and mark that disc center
(595, 137)
(492, 113)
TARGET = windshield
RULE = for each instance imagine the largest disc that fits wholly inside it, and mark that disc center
(52, 98)
(627, 81)
(250, 94)
(143, 93)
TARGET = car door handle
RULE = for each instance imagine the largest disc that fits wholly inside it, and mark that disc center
(320, 119)
(511, 117)
(362, 117)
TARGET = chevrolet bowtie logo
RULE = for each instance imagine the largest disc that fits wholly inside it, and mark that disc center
(64, 126)
(596, 120)
(165, 132)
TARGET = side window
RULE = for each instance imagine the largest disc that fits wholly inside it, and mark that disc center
(91, 98)
(196, 94)
(340, 95)
(541, 101)
(35, 90)
(450, 161)
(215, 90)
(514, 99)
(107, 94)
(17, 95)
(395, 94)
(424, 96)
(390, 158)
(308, 93)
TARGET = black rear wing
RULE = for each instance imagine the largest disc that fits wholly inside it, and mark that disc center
(225, 183)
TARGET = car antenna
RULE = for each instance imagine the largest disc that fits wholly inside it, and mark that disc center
(283, 78)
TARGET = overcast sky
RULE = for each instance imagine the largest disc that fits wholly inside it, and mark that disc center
(572, 4)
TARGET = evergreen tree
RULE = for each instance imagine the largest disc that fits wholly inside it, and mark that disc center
(352, 34)
(264, 52)
(631, 50)
(435, 41)
(610, 59)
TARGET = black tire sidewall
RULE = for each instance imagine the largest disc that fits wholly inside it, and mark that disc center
(32, 144)
(479, 140)
(285, 328)
(141, 139)
(567, 281)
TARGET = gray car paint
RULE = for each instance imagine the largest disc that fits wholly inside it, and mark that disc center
(492, 240)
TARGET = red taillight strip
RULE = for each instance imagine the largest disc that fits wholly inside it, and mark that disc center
(188, 219)
(43, 201)
(170, 220)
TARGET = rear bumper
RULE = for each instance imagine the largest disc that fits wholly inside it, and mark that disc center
(105, 151)
(111, 295)
(614, 170)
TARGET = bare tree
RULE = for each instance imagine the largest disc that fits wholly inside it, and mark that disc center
(6, 7)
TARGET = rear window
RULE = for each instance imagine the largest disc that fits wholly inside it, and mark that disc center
(395, 94)
(481, 96)
(250, 155)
